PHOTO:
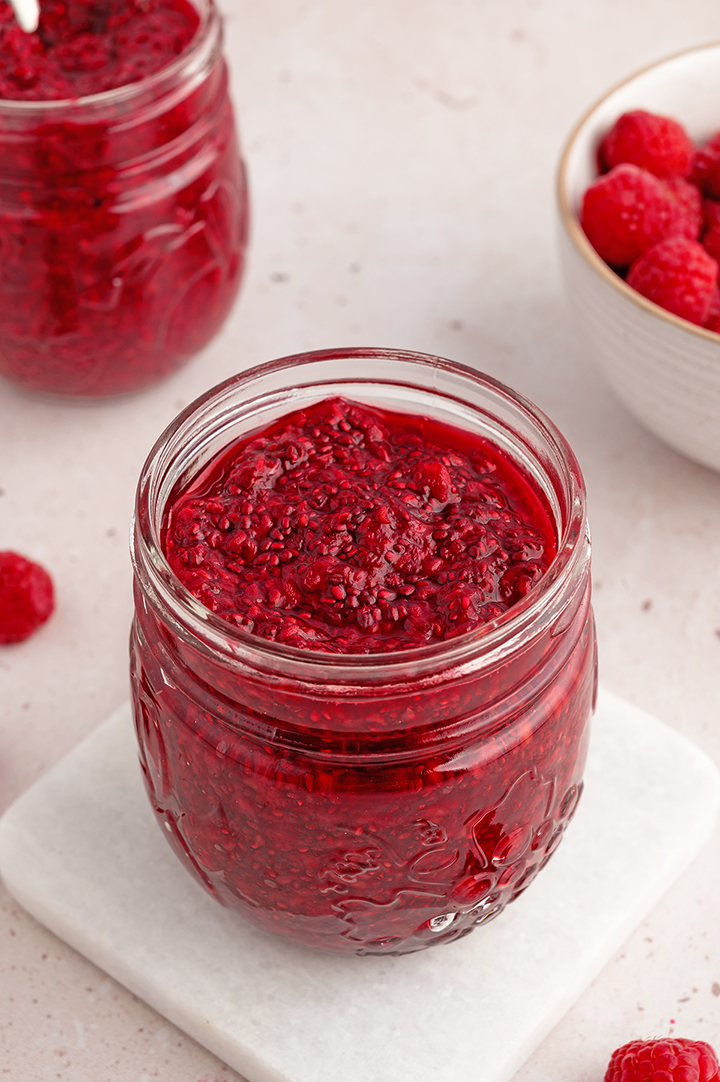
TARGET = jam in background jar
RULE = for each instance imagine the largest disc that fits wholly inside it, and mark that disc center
(393, 796)
(123, 221)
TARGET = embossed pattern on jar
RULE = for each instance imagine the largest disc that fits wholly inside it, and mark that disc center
(373, 804)
(123, 225)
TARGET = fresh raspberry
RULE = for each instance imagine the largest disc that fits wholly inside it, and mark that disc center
(656, 143)
(711, 242)
(711, 213)
(679, 275)
(26, 597)
(628, 211)
(664, 1060)
(690, 202)
(712, 323)
(706, 168)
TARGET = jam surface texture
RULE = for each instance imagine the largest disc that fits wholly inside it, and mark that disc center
(85, 47)
(123, 217)
(348, 529)
(348, 801)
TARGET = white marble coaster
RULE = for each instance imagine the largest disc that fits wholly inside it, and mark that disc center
(81, 851)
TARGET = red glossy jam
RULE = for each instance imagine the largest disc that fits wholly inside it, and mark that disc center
(123, 217)
(392, 798)
(354, 530)
(88, 46)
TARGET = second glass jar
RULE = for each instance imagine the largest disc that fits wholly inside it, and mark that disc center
(123, 225)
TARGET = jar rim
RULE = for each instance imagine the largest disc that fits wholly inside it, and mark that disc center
(194, 59)
(482, 645)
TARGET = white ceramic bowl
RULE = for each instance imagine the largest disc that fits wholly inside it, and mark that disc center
(665, 370)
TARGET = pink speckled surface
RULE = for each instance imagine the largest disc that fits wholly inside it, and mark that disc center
(401, 159)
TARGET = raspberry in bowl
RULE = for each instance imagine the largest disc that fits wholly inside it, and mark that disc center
(363, 657)
(123, 200)
(638, 246)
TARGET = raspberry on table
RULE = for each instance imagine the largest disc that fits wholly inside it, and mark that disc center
(26, 597)
(679, 275)
(656, 143)
(627, 211)
(665, 1059)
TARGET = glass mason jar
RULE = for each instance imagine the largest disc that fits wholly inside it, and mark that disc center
(367, 803)
(123, 223)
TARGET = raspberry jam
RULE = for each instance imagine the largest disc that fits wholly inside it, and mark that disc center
(382, 776)
(353, 530)
(123, 205)
(90, 46)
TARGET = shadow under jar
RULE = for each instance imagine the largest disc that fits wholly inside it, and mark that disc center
(123, 224)
(379, 802)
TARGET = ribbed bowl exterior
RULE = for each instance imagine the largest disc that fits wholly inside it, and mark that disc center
(668, 377)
